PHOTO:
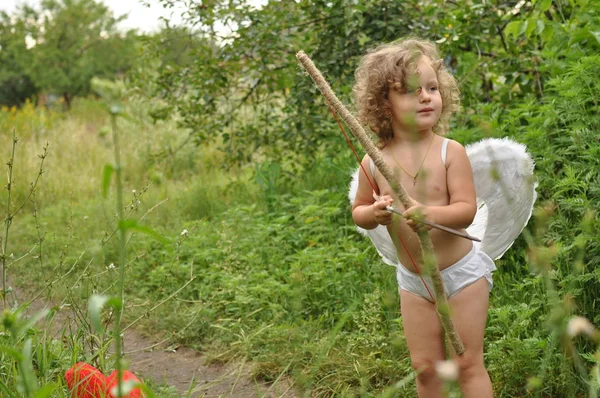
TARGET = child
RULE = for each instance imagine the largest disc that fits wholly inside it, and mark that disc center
(406, 96)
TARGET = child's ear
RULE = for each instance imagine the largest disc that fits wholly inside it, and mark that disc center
(396, 86)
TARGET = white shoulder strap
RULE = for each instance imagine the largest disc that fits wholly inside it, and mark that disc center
(444, 150)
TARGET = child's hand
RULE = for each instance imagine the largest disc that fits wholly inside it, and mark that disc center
(418, 212)
(380, 214)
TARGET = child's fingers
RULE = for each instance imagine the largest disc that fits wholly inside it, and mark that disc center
(388, 200)
(381, 205)
(381, 215)
(385, 221)
(410, 212)
(385, 218)
(417, 226)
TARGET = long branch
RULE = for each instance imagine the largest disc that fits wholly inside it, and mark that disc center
(426, 246)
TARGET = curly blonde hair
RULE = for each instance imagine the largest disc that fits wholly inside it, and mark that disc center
(390, 65)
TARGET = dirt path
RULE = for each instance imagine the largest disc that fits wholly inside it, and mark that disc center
(183, 366)
(184, 369)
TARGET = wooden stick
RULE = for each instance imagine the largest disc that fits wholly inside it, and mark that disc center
(441, 302)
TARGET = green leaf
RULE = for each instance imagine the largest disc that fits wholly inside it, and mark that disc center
(531, 25)
(545, 5)
(539, 26)
(513, 28)
(547, 33)
(11, 351)
(95, 305)
(524, 27)
(26, 380)
(363, 39)
(130, 224)
(146, 390)
(30, 322)
(106, 175)
(4, 388)
(46, 391)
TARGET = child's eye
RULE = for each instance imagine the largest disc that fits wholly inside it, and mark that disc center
(433, 88)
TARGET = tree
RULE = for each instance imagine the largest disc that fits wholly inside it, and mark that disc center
(246, 90)
(75, 40)
(15, 85)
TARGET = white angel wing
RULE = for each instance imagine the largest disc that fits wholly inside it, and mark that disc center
(505, 188)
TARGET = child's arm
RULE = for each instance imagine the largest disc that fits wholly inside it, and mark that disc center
(462, 206)
(366, 212)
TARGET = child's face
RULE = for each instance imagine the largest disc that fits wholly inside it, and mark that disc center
(420, 104)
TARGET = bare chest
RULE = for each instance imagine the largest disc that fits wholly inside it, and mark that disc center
(429, 187)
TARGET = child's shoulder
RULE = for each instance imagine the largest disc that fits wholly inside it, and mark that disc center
(453, 146)
(455, 152)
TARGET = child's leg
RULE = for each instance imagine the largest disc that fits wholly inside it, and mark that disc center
(423, 334)
(469, 313)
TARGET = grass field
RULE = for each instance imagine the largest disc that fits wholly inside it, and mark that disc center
(278, 274)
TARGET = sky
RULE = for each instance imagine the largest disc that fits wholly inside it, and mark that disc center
(146, 19)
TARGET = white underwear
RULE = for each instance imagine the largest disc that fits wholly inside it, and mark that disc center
(475, 265)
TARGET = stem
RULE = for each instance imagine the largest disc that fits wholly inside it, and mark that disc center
(38, 228)
(8, 219)
(34, 183)
(122, 257)
(431, 267)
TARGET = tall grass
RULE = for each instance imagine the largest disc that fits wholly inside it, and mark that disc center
(20, 362)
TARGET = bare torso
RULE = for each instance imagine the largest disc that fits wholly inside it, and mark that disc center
(431, 190)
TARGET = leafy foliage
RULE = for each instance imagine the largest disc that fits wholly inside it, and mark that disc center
(15, 84)
(499, 51)
(59, 47)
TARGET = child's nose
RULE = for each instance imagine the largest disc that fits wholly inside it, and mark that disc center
(424, 96)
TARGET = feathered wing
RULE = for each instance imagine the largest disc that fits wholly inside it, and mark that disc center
(505, 188)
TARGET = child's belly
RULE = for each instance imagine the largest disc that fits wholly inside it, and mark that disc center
(448, 248)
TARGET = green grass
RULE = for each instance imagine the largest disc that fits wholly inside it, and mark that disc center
(280, 275)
